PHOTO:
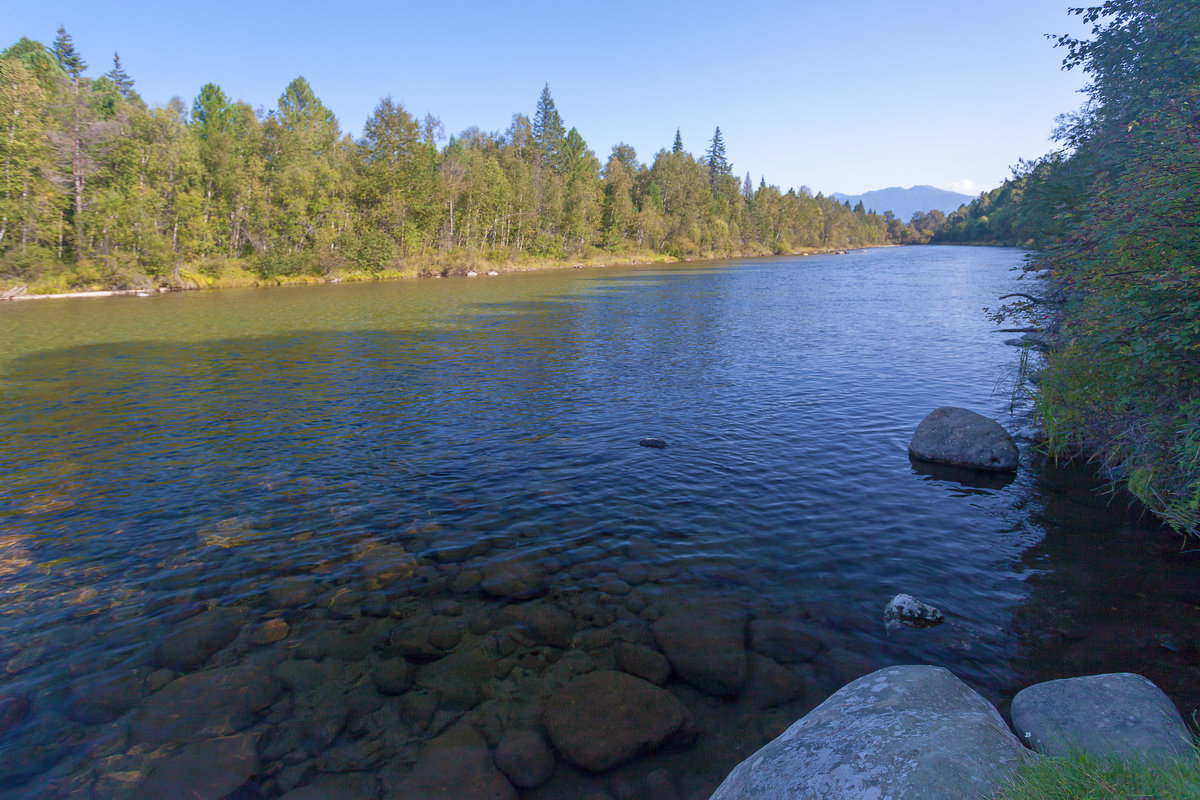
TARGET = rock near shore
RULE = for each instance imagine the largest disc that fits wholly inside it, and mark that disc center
(900, 733)
(963, 438)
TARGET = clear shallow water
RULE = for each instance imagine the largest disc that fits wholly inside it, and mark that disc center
(351, 459)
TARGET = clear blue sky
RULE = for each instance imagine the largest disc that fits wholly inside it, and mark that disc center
(838, 95)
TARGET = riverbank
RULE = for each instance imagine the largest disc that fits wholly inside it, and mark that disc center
(242, 273)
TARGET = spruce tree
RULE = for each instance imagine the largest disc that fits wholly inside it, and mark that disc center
(718, 167)
(677, 148)
(70, 60)
(548, 130)
(120, 77)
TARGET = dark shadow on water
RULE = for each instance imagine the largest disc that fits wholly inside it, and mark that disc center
(974, 480)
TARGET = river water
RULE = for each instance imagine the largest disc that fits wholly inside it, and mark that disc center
(302, 532)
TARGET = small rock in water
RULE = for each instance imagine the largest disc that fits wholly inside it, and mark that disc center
(906, 609)
(658, 444)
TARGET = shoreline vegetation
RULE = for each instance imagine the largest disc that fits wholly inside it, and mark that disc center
(238, 277)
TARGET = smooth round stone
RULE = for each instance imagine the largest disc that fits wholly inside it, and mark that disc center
(268, 632)
(525, 759)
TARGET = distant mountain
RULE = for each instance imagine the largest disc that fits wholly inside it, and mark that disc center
(905, 202)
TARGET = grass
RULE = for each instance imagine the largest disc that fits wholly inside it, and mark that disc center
(1080, 776)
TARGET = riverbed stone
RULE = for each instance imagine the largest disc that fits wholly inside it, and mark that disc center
(541, 622)
(96, 699)
(455, 766)
(1120, 714)
(207, 770)
(900, 733)
(644, 662)
(268, 632)
(603, 718)
(457, 678)
(962, 438)
(769, 683)
(206, 704)
(14, 707)
(525, 759)
(706, 645)
(351, 786)
(515, 578)
(190, 643)
(392, 675)
(784, 640)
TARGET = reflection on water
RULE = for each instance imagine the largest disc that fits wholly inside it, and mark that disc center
(338, 537)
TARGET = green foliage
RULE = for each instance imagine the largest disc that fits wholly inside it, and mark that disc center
(66, 55)
(1080, 776)
(1124, 245)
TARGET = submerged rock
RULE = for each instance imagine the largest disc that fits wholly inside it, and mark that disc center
(908, 610)
(525, 759)
(515, 578)
(896, 734)
(650, 441)
(963, 438)
(207, 770)
(1119, 714)
(706, 645)
(603, 718)
(205, 704)
(455, 766)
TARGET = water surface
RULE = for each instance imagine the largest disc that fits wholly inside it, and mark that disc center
(351, 459)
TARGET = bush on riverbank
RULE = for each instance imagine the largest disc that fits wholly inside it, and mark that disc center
(1122, 384)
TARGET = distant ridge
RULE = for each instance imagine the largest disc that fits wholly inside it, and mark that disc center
(906, 202)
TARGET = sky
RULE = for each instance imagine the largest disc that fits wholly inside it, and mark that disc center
(835, 95)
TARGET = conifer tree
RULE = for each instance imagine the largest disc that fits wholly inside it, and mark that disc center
(548, 130)
(119, 76)
(67, 57)
(677, 147)
(718, 167)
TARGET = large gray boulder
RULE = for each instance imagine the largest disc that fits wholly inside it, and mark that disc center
(901, 733)
(1116, 714)
(963, 438)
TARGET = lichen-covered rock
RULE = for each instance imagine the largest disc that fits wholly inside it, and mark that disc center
(908, 610)
(900, 733)
(963, 438)
(1115, 714)
(603, 718)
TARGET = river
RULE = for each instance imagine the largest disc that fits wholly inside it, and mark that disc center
(326, 499)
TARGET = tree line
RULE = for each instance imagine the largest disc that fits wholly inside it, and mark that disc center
(97, 187)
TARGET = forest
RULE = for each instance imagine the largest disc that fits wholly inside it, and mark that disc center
(100, 190)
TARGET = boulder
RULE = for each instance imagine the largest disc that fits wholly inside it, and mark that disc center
(643, 662)
(599, 720)
(191, 643)
(706, 645)
(541, 622)
(455, 766)
(204, 704)
(96, 699)
(207, 770)
(515, 578)
(900, 733)
(908, 610)
(458, 677)
(650, 441)
(785, 641)
(525, 759)
(1116, 714)
(963, 438)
